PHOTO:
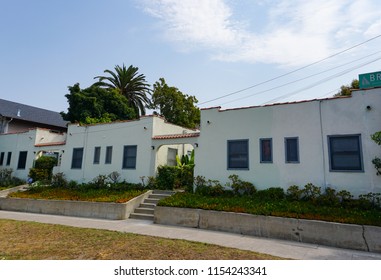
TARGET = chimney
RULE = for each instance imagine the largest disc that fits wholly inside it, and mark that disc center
(19, 112)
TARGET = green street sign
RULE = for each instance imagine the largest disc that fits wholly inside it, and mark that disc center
(370, 80)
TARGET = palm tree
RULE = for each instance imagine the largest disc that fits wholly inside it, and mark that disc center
(130, 84)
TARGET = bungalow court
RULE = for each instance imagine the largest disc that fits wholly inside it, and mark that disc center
(324, 141)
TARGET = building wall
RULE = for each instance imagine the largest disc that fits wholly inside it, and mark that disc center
(26, 142)
(311, 122)
(117, 135)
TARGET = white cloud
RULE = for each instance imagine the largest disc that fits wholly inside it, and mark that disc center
(296, 32)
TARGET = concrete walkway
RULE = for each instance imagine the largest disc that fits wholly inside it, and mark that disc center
(279, 248)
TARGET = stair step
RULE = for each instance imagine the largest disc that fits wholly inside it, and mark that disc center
(158, 195)
(147, 205)
(163, 192)
(141, 216)
(151, 200)
(146, 209)
(141, 210)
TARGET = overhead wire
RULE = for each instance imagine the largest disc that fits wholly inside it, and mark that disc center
(291, 72)
(320, 82)
(298, 80)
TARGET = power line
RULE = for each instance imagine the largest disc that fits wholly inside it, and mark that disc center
(298, 80)
(320, 82)
(291, 72)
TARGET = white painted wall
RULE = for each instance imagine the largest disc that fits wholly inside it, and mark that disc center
(25, 141)
(117, 135)
(302, 120)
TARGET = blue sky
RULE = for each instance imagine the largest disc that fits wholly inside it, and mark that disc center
(206, 48)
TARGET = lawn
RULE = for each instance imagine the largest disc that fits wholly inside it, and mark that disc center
(36, 241)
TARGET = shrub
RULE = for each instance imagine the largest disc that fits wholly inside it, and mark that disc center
(59, 181)
(167, 177)
(329, 197)
(241, 187)
(209, 187)
(294, 193)
(43, 169)
(99, 182)
(270, 194)
(311, 192)
(38, 174)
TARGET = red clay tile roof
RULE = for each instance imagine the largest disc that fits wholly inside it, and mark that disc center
(50, 144)
(175, 136)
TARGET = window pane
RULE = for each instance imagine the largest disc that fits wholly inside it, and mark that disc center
(292, 153)
(266, 150)
(97, 155)
(345, 153)
(9, 158)
(108, 154)
(22, 160)
(76, 162)
(238, 154)
(129, 157)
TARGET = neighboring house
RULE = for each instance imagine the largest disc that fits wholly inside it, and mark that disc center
(325, 142)
(16, 117)
(19, 150)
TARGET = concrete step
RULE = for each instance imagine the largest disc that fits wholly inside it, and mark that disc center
(141, 216)
(147, 205)
(146, 209)
(167, 192)
(142, 210)
(151, 200)
(159, 195)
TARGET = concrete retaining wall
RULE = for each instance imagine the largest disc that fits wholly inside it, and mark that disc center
(357, 237)
(100, 210)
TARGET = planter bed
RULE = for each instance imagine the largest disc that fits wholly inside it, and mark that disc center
(349, 236)
(101, 210)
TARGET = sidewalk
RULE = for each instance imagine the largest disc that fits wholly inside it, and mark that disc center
(274, 247)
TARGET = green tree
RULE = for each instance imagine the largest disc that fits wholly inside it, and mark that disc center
(130, 84)
(96, 105)
(176, 107)
(346, 90)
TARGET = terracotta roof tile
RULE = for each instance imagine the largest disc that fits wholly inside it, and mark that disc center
(176, 136)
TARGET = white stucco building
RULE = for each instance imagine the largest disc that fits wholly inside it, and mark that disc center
(325, 142)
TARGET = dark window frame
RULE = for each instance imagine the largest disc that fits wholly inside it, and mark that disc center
(2, 156)
(288, 158)
(126, 164)
(9, 159)
(261, 149)
(21, 164)
(332, 153)
(108, 157)
(97, 155)
(242, 157)
(77, 158)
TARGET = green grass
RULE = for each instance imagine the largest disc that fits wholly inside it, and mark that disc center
(36, 241)
(81, 194)
(280, 208)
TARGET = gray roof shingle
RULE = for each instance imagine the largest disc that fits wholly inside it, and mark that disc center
(29, 113)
